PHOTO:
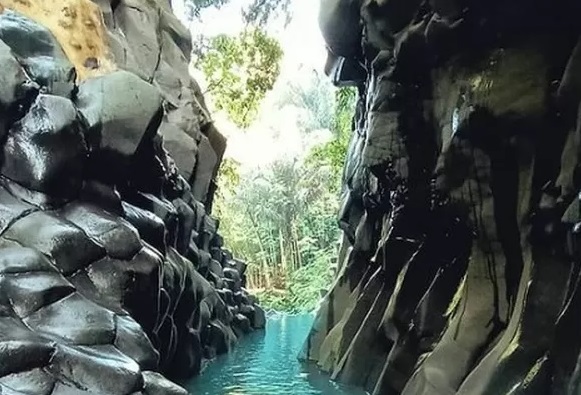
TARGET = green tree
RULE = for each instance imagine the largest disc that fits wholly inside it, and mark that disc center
(282, 218)
(261, 11)
(258, 12)
(240, 71)
(334, 152)
(315, 97)
(229, 180)
(194, 7)
(297, 220)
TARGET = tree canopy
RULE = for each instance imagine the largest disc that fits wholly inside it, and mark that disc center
(282, 218)
(261, 11)
(333, 152)
(240, 71)
(258, 12)
(315, 97)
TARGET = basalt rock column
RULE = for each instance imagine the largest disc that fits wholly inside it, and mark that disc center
(112, 270)
(461, 260)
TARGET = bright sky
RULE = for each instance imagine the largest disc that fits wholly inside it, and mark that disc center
(275, 133)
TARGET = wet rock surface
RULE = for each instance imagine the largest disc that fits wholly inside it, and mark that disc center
(113, 276)
(459, 271)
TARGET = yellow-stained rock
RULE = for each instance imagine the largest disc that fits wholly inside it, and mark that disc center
(77, 25)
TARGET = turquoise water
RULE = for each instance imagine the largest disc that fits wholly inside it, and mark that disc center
(265, 363)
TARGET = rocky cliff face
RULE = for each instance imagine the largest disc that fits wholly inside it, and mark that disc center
(460, 259)
(112, 271)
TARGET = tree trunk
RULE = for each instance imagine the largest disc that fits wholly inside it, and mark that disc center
(261, 246)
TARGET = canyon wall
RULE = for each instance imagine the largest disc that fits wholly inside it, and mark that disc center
(460, 258)
(112, 270)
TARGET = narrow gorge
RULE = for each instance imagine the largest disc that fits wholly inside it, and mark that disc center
(459, 263)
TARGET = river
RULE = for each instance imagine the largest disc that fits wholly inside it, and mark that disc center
(265, 363)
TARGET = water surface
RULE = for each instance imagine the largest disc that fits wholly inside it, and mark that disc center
(265, 363)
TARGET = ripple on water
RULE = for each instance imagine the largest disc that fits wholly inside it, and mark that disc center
(265, 363)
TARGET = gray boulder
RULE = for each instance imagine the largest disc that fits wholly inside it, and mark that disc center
(138, 23)
(45, 151)
(207, 161)
(181, 147)
(339, 21)
(16, 88)
(39, 53)
(121, 111)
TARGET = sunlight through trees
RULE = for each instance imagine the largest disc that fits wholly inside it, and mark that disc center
(281, 215)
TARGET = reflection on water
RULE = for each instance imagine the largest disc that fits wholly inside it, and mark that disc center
(265, 363)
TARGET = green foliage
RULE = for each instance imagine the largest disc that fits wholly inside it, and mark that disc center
(240, 71)
(282, 218)
(315, 97)
(194, 7)
(305, 288)
(258, 13)
(229, 178)
(333, 153)
(345, 100)
(229, 175)
(261, 11)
